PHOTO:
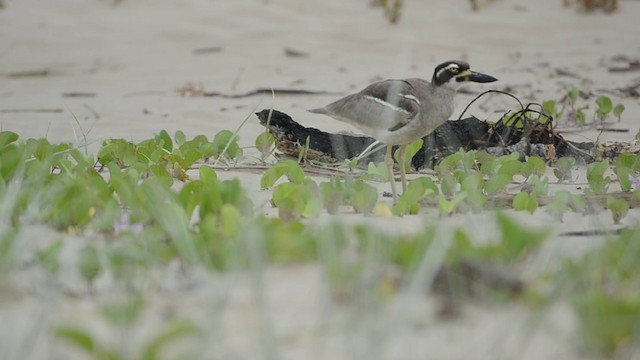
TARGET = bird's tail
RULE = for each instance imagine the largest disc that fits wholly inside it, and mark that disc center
(318, 111)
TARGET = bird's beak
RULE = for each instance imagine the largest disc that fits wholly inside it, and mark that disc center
(469, 75)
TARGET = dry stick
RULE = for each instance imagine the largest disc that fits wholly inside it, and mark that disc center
(577, 149)
(310, 169)
(260, 91)
(506, 200)
(95, 113)
(8, 111)
(236, 80)
(487, 92)
(595, 232)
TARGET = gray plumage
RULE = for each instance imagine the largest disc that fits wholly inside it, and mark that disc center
(395, 112)
(398, 112)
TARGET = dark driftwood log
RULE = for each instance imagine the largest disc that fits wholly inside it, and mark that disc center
(468, 134)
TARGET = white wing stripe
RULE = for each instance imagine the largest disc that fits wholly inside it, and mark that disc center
(391, 106)
(411, 97)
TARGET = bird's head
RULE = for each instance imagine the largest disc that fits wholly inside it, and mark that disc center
(456, 73)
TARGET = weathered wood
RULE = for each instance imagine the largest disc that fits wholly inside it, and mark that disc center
(467, 134)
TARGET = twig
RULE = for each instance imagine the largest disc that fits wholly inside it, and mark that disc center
(263, 91)
(9, 111)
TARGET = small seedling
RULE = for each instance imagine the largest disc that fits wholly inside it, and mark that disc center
(363, 197)
(296, 200)
(409, 201)
(525, 202)
(410, 151)
(49, 258)
(265, 144)
(533, 166)
(333, 194)
(89, 264)
(619, 208)
(538, 186)
(563, 169)
(516, 240)
(617, 111)
(288, 168)
(598, 183)
(605, 107)
(627, 168)
(472, 186)
(447, 207)
(377, 171)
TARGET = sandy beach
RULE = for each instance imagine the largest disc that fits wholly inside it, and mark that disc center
(85, 71)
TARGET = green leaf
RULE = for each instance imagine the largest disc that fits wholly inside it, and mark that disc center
(540, 185)
(410, 152)
(49, 258)
(581, 116)
(619, 208)
(333, 194)
(231, 220)
(608, 321)
(11, 158)
(377, 171)
(534, 165)
(560, 204)
(291, 199)
(208, 174)
(563, 168)
(627, 165)
(449, 206)
(290, 168)
(617, 111)
(171, 334)
(549, 108)
(408, 202)
(525, 202)
(180, 137)
(7, 137)
(449, 164)
(125, 313)
(573, 94)
(510, 167)
(516, 239)
(165, 139)
(472, 186)
(89, 263)
(264, 143)
(363, 197)
(497, 183)
(604, 105)
(226, 144)
(83, 340)
(598, 183)
(448, 185)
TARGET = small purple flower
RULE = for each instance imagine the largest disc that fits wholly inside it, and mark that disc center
(124, 224)
(635, 182)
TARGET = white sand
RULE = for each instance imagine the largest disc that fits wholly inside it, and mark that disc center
(135, 55)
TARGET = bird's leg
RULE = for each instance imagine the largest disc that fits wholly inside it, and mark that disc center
(403, 170)
(389, 160)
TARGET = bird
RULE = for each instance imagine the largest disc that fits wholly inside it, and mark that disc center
(401, 111)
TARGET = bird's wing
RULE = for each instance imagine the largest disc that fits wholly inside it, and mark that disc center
(388, 104)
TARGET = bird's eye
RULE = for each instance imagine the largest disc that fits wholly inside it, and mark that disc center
(455, 70)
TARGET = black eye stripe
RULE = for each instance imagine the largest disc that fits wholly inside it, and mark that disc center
(445, 71)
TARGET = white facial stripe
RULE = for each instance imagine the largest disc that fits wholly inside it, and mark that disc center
(390, 106)
(410, 97)
(448, 67)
